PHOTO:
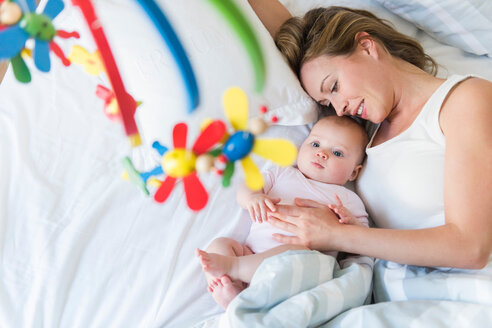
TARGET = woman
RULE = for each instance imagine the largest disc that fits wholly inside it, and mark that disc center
(427, 180)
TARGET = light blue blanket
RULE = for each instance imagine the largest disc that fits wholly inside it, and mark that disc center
(412, 296)
(309, 289)
(299, 289)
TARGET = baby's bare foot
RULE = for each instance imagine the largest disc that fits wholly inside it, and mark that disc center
(214, 264)
(224, 290)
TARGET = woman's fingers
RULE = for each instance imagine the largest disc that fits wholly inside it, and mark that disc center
(288, 210)
(279, 215)
(307, 203)
(293, 240)
(274, 221)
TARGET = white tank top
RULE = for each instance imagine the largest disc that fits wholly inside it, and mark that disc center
(402, 181)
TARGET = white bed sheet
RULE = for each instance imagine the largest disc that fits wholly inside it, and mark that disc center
(80, 247)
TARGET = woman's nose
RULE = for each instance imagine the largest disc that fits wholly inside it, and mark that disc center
(322, 155)
(340, 105)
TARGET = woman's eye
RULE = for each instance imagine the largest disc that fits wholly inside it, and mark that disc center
(335, 87)
(337, 153)
(315, 144)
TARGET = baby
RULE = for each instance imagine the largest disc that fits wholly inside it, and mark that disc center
(330, 156)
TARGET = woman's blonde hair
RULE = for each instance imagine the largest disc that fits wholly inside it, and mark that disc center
(332, 31)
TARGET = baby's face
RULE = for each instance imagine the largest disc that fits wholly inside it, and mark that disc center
(330, 153)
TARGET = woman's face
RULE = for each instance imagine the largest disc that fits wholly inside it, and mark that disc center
(354, 85)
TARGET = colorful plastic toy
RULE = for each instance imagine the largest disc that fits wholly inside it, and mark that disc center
(135, 177)
(10, 13)
(243, 142)
(126, 103)
(166, 31)
(111, 109)
(233, 15)
(180, 163)
(37, 26)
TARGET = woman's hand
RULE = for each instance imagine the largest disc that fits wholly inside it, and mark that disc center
(314, 224)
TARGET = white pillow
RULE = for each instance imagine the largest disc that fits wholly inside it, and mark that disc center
(217, 56)
(299, 8)
(466, 24)
(451, 59)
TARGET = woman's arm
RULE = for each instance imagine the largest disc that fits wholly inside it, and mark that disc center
(466, 122)
(271, 13)
(316, 227)
(465, 240)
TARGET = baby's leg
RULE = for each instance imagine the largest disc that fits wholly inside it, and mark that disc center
(238, 268)
(228, 247)
(223, 289)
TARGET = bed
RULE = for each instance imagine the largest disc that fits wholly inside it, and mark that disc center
(81, 247)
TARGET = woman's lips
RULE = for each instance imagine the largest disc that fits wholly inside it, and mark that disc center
(364, 112)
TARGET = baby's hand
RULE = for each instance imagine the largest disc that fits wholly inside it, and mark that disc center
(344, 215)
(259, 205)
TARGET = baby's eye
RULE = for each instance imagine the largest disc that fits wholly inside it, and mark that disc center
(337, 153)
(315, 144)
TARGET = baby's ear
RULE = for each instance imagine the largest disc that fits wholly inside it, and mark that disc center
(355, 173)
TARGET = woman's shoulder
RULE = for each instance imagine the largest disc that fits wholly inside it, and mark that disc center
(469, 101)
(469, 91)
